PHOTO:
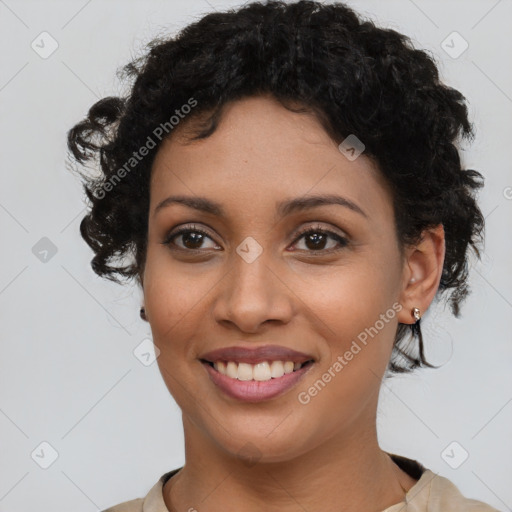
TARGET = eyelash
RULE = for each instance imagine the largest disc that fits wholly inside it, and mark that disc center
(343, 242)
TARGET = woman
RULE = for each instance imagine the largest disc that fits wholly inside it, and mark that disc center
(283, 182)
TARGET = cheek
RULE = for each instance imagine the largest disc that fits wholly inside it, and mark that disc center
(353, 308)
(169, 298)
(173, 301)
(176, 298)
(349, 298)
(358, 345)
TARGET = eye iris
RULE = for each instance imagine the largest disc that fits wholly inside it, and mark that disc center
(318, 240)
(314, 240)
(194, 237)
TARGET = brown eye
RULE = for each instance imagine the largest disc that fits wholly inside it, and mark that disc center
(192, 239)
(317, 239)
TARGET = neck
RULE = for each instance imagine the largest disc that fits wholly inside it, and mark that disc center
(345, 473)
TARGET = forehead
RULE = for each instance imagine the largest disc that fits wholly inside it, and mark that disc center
(261, 149)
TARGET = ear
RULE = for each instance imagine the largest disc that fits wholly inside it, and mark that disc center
(423, 266)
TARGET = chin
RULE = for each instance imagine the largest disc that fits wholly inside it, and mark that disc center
(258, 444)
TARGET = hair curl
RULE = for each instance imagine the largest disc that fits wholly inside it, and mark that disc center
(355, 77)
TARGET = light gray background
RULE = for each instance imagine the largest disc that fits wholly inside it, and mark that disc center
(67, 368)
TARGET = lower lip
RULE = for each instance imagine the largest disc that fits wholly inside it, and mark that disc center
(256, 390)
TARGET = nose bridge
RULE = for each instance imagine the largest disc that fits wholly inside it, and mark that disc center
(251, 292)
(250, 270)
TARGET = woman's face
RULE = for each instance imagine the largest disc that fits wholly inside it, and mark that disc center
(254, 279)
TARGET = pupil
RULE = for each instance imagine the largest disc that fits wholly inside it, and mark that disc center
(194, 238)
(318, 240)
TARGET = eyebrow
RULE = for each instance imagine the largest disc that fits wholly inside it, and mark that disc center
(283, 208)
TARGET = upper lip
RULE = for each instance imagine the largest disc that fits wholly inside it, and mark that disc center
(256, 354)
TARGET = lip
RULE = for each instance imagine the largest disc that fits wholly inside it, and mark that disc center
(256, 354)
(253, 390)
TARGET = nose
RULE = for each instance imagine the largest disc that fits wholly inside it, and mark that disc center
(253, 294)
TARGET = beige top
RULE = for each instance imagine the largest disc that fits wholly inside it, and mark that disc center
(431, 493)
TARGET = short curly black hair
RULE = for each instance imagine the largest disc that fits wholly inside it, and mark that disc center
(354, 77)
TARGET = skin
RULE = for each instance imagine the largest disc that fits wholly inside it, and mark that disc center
(322, 456)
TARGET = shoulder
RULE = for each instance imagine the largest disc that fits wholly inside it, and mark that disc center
(433, 492)
(127, 506)
(443, 494)
(153, 501)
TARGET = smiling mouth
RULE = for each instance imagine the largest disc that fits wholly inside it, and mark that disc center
(261, 371)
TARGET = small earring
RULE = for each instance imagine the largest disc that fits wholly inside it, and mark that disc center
(143, 313)
(415, 312)
(412, 280)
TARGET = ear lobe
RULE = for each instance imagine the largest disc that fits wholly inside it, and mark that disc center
(422, 273)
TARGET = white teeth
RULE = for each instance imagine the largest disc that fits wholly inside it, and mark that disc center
(288, 367)
(231, 369)
(221, 367)
(244, 371)
(260, 371)
(276, 369)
